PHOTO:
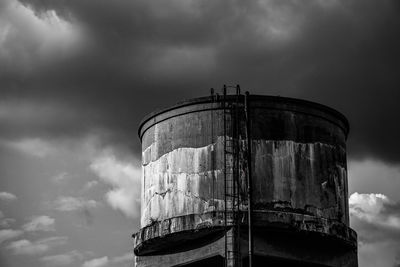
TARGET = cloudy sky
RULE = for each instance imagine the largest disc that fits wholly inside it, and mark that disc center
(76, 77)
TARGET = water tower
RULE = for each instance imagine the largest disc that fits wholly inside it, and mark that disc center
(233, 180)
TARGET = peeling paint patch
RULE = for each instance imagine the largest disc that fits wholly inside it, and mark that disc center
(181, 182)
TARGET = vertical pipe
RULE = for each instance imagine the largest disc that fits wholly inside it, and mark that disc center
(212, 151)
(225, 189)
(249, 178)
(236, 192)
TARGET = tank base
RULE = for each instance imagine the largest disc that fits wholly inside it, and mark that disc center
(271, 248)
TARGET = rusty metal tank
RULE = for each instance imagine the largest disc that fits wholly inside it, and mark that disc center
(299, 178)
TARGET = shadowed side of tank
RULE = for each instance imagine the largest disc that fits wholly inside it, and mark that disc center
(300, 194)
(299, 160)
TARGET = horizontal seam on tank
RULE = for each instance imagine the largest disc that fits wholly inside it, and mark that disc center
(179, 148)
(312, 217)
(299, 211)
(329, 222)
(253, 139)
(211, 215)
(193, 173)
(266, 140)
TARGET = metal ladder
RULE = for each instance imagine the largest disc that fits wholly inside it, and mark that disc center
(231, 116)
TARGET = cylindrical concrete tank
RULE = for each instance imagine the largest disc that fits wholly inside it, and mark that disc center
(298, 163)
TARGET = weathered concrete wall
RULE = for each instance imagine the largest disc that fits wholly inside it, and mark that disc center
(298, 162)
(182, 168)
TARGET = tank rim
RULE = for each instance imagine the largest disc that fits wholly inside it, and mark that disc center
(281, 99)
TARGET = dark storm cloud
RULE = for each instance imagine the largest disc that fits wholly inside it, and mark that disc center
(140, 55)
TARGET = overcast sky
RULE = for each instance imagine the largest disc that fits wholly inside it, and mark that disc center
(76, 77)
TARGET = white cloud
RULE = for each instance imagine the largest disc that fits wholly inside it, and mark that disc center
(125, 180)
(374, 216)
(40, 223)
(90, 184)
(26, 247)
(376, 219)
(374, 209)
(6, 196)
(6, 222)
(98, 262)
(128, 257)
(66, 259)
(115, 261)
(7, 234)
(26, 37)
(73, 203)
(32, 146)
(59, 177)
